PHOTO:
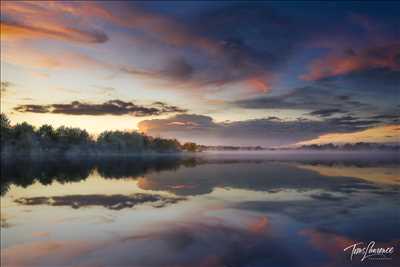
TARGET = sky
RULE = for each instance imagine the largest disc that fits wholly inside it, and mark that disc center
(216, 73)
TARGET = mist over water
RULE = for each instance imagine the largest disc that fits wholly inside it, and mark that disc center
(206, 209)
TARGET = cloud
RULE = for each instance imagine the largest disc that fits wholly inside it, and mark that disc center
(178, 69)
(327, 197)
(370, 58)
(390, 118)
(379, 81)
(266, 131)
(17, 30)
(243, 55)
(326, 112)
(27, 56)
(216, 56)
(54, 20)
(311, 97)
(248, 49)
(112, 107)
(113, 202)
(198, 50)
(370, 91)
(36, 20)
(200, 54)
(32, 108)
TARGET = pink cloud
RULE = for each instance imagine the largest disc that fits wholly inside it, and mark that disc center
(334, 65)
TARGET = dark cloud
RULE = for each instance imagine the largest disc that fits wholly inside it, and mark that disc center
(267, 131)
(362, 92)
(349, 52)
(382, 81)
(303, 98)
(326, 112)
(113, 202)
(274, 118)
(351, 121)
(219, 48)
(376, 87)
(325, 196)
(387, 116)
(32, 108)
(397, 59)
(244, 54)
(178, 69)
(268, 44)
(393, 117)
(112, 107)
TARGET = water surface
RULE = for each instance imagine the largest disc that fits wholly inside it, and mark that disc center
(217, 209)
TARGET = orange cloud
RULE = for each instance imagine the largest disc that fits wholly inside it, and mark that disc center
(333, 65)
(38, 20)
(73, 22)
(12, 31)
(29, 57)
(51, 19)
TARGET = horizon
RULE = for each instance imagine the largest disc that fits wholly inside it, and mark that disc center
(305, 144)
(242, 74)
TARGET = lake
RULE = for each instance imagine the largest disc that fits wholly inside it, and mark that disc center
(209, 209)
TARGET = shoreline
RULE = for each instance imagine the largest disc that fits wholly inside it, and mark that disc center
(266, 154)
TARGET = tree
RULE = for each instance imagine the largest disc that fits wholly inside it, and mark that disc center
(5, 128)
(165, 145)
(191, 147)
(47, 136)
(122, 141)
(23, 136)
(72, 138)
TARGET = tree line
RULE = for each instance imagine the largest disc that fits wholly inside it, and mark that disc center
(351, 146)
(25, 139)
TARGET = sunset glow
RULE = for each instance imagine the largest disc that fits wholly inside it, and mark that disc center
(229, 74)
